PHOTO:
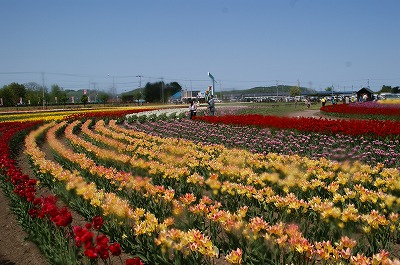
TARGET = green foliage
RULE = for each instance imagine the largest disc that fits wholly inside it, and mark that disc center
(104, 98)
(152, 92)
(389, 89)
(34, 93)
(12, 94)
(154, 117)
(84, 100)
(7, 96)
(385, 89)
(58, 95)
(159, 91)
(294, 91)
(63, 98)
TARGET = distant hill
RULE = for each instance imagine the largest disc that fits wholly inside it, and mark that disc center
(74, 93)
(132, 92)
(271, 90)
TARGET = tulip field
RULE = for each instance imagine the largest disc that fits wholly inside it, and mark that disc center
(388, 109)
(155, 187)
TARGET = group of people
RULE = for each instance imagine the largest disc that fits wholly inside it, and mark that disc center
(193, 107)
(346, 100)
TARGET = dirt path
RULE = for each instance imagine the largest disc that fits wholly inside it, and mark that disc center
(14, 249)
(311, 113)
(305, 113)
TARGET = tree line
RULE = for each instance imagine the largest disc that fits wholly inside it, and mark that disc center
(33, 94)
(389, 89)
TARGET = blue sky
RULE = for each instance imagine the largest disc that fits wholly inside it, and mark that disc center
(93, 43)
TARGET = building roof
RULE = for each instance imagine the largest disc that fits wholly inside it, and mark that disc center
(177, 95)
(365, 89)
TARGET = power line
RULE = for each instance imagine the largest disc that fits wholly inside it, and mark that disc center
(75, 80)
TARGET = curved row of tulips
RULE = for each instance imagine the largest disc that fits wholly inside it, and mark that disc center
(336, 147)
(372, 128)
(53, 115)
(366, 109)
(236, 205)
(48, 225)
(132, 225)
(235, 255)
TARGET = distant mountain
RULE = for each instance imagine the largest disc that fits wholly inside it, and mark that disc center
(271, 90)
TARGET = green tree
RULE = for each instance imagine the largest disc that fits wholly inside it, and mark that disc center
(63, 98)
(84, 100)
(18, 92)
(34, 93)
(156, 92)
(152, 91)
(55, 94)
(294, 91)
(104, 97)
(386, 89)
(171, 89)
(137, 96)
(7, 96)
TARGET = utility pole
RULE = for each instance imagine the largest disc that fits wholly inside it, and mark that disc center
(43, 88)
(94, 88)
(140, 86)
(162, 90)
(298, 86)
(113, 90)
(276, 89)
(94, 85)
(220, 90)
(191, 90)
(140, 81)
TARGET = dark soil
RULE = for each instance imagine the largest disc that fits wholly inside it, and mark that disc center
(14, 248)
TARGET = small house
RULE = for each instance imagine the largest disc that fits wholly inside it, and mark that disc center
(365, 93)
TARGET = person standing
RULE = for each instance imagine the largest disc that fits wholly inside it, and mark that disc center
(323, 101)
(193, 109)
(307, 102)
(211, 105)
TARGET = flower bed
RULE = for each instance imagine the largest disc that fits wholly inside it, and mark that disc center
(198, 203)
(169, 200)
(369, 110)
(46, 224)
(377, 128)
(336, 147)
